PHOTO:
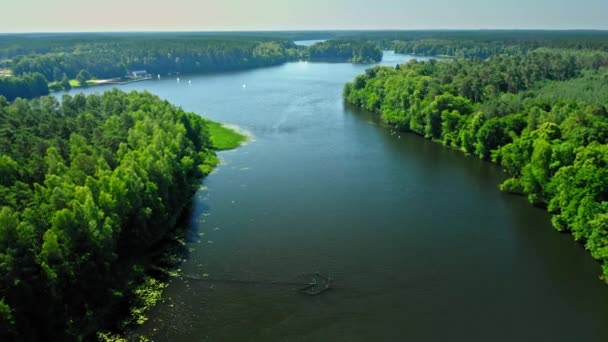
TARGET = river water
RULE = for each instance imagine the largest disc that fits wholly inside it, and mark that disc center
(419, 240)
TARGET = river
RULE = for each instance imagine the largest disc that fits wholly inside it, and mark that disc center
(419, 240)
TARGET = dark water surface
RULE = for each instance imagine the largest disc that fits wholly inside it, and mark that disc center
(422, 245)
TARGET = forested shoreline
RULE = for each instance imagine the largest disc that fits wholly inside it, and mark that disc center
(88, 186)
(34, 62)
(107, 58)
(483, 44)
(541, 115)
(27, 86)
(345, 50)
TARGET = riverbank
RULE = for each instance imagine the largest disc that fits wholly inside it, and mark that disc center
(118, 81)
(129, 212)
(162, 264)
(225, 137)
(75, 84)
(519, 128)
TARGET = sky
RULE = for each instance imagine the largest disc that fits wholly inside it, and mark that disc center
(228, 15)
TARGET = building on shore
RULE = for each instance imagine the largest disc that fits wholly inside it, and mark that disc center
(137, 74)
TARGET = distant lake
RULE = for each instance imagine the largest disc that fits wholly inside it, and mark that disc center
(309, 42)
(421, 243)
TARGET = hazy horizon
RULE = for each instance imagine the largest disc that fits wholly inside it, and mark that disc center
(308, 30)
(36, 16)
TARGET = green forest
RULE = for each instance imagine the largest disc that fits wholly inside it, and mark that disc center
(345, 50)
(88, 186)
(542, 115)
(479, 44)
(27, 86)
(483, 44)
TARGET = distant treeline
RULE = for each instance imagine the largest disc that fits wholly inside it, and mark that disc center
(162, 56)
(481, 49)
(483, 43)
(345, 50)
(109, 60)
(87, 186)
(542, 115)
(480, 44)
(27, 86)
(12, 45)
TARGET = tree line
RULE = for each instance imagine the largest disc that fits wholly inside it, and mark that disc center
(543, 116)
(345, 50)
(108, 60)
(27, 86)
(481, 43)
(185, 56)
(87, 185)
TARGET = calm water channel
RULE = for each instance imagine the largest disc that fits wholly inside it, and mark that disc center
(420, 242)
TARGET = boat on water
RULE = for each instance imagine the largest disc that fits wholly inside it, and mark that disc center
(317, 285)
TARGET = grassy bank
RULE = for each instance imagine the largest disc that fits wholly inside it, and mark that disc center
(57, 86)
(223, 137)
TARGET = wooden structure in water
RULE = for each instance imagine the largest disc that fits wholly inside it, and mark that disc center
(317, 285)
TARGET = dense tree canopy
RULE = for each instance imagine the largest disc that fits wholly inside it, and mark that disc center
(542, 115)
(480, 43)
(27, 86)
(157, 56)
(341, 50)
(86, 184)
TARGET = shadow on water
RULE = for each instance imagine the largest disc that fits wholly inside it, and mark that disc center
(431, 154)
